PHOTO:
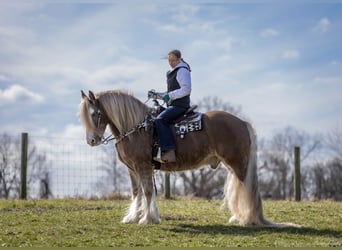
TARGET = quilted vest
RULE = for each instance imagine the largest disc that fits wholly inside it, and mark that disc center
(172, 84)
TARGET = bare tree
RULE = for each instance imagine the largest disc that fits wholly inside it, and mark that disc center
(10, 154)
(327, 180)
(38, 173)
(334, 141)
(326, 175)
(116, 177)
(204, 182)
(276, 173)
(9, 166)
(213, 102)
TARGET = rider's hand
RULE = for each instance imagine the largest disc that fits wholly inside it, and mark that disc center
(152, 94)
(166, 98)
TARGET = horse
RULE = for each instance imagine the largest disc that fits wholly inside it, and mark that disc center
(225, 139)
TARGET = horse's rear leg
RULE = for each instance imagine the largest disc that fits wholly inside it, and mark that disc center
(242, 196)
(134, 213)
(150, 212)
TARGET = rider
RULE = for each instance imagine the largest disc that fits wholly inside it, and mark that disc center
(177, 99)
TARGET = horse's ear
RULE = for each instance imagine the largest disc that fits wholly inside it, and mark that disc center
(92, 97)
(83, 95)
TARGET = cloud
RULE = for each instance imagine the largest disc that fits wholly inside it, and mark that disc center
(17, 92)
(72, 131)
(3, 78)
(322, 25)
(185, 13)
(291, 54)
(169, 28)
(200, 44)
(269, 33)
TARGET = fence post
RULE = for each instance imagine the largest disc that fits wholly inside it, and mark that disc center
(167, 186)
(297, 173)
(24, 149)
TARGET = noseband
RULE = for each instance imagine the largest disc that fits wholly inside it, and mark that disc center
(104, 140)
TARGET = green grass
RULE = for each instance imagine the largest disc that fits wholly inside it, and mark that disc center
(185, 223)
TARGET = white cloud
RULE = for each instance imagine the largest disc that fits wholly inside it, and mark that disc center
(185, 13)
(17, 92)
(291, 54)
(322, 25)
(200, 44)
(269, 33)
(169, 28)
(128, 73)
(72, 131)
(3, 78)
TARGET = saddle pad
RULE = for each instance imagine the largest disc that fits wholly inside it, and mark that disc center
(190, 124)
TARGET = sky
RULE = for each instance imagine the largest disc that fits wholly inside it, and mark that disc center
(280, 61)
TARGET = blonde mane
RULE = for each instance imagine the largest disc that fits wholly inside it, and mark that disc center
(122, 109)
(84, 115)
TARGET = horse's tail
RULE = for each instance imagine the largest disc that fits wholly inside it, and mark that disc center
(242, 197)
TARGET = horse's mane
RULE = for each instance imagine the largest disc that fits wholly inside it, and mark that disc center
(84, 114)
(122, 109)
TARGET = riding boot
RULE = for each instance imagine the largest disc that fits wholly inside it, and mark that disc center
(168, 156)
(158, 156)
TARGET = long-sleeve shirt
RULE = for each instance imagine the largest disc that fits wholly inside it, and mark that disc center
(184, 79)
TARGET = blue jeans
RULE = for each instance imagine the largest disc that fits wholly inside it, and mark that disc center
(163, 122)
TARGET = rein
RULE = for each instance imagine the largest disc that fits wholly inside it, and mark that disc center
(123, 135)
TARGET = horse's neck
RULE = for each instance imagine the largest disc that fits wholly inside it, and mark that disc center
(125, 115)
(114, 129)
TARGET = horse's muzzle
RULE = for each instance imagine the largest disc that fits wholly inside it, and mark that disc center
(94, 140)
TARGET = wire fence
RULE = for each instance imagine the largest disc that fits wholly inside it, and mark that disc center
(61, 168)
(77, 169)
(73, 166)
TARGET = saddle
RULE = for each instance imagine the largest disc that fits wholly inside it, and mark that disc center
(191, 121)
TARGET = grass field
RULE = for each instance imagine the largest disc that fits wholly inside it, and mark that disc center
(185, 223)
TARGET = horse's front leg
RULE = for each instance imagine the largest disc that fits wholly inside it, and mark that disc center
(134, 212)
(150, 212)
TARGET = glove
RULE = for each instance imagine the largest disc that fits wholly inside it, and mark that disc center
(166, 98)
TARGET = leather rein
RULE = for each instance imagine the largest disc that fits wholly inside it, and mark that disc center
(147, 120)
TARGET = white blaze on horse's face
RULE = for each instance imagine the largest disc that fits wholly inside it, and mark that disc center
(97, 126)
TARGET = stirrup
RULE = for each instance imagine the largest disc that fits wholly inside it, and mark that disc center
(158, 156)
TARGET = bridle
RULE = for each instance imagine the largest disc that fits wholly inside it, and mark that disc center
(120, 137)
(99, 113)
(148, 119)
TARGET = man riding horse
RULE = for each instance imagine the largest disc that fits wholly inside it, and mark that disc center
(177, 99)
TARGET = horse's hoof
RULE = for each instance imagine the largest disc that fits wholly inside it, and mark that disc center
(125, 221)
(128, 220)
(233, 219)
(146, 220)
(156, 221)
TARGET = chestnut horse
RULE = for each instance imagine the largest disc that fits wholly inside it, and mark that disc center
(225, 139)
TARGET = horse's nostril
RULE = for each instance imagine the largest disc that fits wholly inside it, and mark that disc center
(93, 141)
